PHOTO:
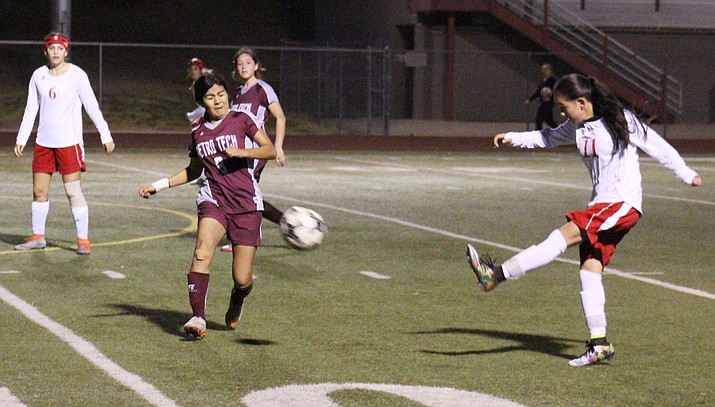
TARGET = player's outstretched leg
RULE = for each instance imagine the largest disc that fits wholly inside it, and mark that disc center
(487, 273)
(597, 350)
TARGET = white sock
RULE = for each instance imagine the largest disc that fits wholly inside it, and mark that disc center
(39, 216)
(535, 256)
(81, 221)
(593, 299)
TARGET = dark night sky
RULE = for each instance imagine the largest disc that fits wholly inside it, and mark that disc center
(166, 21)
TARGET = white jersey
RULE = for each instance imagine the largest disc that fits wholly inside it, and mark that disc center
(60, 100)
(616, 175)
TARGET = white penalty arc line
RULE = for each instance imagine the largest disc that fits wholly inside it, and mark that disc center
(87, 350)
(609, 270)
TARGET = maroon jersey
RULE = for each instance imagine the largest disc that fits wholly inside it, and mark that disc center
(255, 100)
(230, 182)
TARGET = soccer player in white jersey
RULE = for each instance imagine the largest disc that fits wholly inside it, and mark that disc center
(608, 138)
(195, 70)
(224, 147)
(258, 98)
(59, 90)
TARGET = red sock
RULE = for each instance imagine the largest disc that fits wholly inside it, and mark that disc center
(198, 288)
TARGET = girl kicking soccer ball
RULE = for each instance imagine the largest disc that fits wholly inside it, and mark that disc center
(608, 138)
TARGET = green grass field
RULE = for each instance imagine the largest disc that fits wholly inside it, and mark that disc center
(74, 336)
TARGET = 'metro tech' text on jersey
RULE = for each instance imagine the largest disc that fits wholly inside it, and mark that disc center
(230, 181)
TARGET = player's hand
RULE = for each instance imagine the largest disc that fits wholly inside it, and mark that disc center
(235, 152)
(500, 139)
(109, 147)
(146, 191)
(19, 148)
(280, 157)
(696, 181)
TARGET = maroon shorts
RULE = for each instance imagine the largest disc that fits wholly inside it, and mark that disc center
(66, 160)
(602, 226)
(242, 229)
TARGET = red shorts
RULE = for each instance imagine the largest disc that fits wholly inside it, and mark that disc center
(66, 160)
(243, 229)
(602, 226)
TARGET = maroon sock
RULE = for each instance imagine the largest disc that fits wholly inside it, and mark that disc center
(198, 287)
(271, 213)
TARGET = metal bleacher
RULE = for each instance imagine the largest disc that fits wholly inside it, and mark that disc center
(580, 44)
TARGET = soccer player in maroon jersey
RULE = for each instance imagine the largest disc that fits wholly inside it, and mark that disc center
(258, 98)
(226, 146)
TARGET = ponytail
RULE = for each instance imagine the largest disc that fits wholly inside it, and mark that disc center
(605, 104)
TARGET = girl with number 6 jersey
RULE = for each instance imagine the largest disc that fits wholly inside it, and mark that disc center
(59, 90)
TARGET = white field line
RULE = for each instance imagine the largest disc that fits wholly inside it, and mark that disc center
(7, 399)
(609, 270)
(88, 351)
(376, 276)
(503, 177)
(114, 274)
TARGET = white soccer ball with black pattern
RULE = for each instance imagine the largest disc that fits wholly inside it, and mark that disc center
(303, 228)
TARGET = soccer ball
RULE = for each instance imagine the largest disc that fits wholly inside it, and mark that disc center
(303, 228)
(546, 93)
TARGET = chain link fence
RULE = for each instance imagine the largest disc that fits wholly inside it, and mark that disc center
(145, 87)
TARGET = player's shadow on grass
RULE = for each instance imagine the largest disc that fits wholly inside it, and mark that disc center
(172, 322)
(524, 342)
(12, 239)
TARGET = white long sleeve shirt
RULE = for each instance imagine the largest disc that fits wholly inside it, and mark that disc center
(60, 100)
(615, 176)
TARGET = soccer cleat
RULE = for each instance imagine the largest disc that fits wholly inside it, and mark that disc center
(83, 246)
(235, 310)
(227, 248)
(482, 268)
(195, 329)
(595, 352)
(34, 242)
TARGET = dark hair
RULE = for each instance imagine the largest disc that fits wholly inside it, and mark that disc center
(250, 52)
(204, 83)
(605, 104)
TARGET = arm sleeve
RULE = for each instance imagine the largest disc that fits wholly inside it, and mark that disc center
(28, 119)
(655, 146)
(563, 135)
(89, 101)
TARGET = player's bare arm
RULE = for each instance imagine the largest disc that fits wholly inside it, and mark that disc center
(277, 112)
(190, 173)
(265, 151)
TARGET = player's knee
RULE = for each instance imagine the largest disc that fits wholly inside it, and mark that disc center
(201, 254)
(74, 194)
